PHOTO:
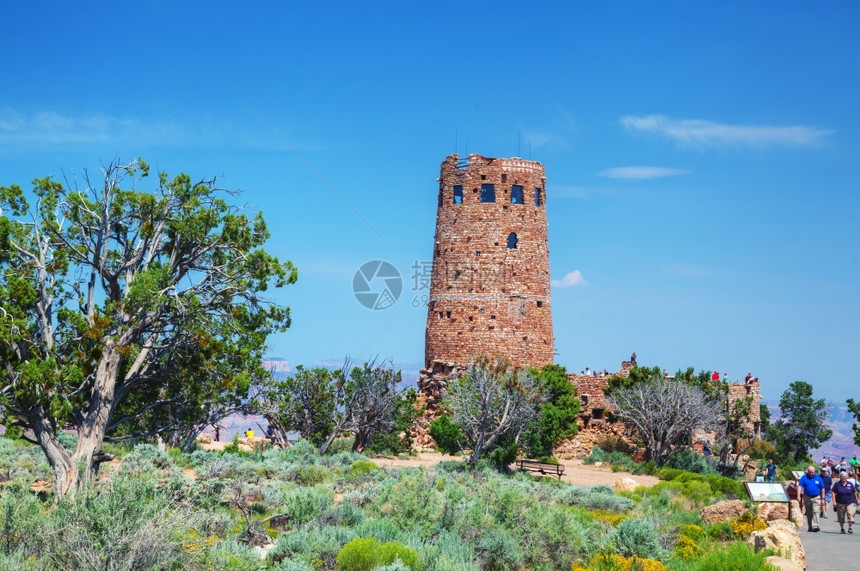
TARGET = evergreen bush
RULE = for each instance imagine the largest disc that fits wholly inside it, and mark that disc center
(637, 537)
(447, 434)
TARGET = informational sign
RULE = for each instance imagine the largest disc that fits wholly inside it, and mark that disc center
(797, 474)
(766, 492)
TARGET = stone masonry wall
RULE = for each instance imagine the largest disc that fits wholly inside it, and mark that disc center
(490, 284)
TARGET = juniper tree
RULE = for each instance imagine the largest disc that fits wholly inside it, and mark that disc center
(128, 308)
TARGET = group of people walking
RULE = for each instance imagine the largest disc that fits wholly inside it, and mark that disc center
(815, 491)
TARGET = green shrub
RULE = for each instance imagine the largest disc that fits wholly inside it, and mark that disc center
(362, 468)
(301, 505)
(727, 487)
(594, 498)
(366, 553)
(497, 550)
(697, 491)
(649, 468)
(734, 557)
(127, 524)
(346, 514)
(313, 475)
(557, 535)
(447, 434)
(690, 461)
(21, 523)
(637, 537)
(317, 547)
(145, 458)
(293, 565)
(721, 531)
(230, 556)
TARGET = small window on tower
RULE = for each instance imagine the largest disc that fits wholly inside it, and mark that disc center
(538, 197)
(512, 241)
(516, 194)
(458, 194)
(488, 193)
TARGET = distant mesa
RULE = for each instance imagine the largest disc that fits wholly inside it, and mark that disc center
(277, 365)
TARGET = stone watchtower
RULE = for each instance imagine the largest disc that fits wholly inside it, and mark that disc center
(490, 286)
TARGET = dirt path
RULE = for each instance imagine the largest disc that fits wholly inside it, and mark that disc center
(575, 471)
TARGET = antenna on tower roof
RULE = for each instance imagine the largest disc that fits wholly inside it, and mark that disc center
(519, 141)
(456, 137)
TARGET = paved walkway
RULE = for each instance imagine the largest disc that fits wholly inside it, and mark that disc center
(828, 549)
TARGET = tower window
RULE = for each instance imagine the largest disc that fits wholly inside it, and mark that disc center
(540, 303)
(516, 194)
(458, 194)
(538, 197)
(512, 241)
(488, 193)
(504, 177)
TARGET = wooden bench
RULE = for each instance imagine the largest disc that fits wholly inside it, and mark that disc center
(544, 468)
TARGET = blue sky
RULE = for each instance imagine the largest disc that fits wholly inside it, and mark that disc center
(702, 161)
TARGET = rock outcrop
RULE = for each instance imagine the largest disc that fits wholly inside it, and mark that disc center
(772, 511)
(722, 511)
(781, 536)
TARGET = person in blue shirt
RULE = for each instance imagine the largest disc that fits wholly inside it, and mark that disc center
(812, 487)
(771, 470)
(828, 484)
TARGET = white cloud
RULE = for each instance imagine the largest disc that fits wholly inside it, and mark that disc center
(571, 279)
(703, 133)
(52, 128)
(640, 173)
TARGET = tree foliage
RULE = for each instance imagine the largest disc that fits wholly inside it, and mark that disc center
(854, 409)
(492, 400)
(557, 416)
(322, 405)
(129, 312)
(802, 424)
(665, 413)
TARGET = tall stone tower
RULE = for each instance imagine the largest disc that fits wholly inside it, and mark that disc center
(490, 285)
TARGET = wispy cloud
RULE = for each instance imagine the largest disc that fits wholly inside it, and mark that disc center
(688, 271)
(571, 279)
(52, 128)
(703, 133)
(640, 173)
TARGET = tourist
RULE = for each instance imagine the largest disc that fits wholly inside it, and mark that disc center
(270, 434)
(249, 433)
(812, 487)
(771, 470)
(855, 465)
(633, 358)
(828, 483)
(217, 434)
(846, 497)
(715, 377)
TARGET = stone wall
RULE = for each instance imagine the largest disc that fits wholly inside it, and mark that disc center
(594, 409)
(490, 284)
(747, 394)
